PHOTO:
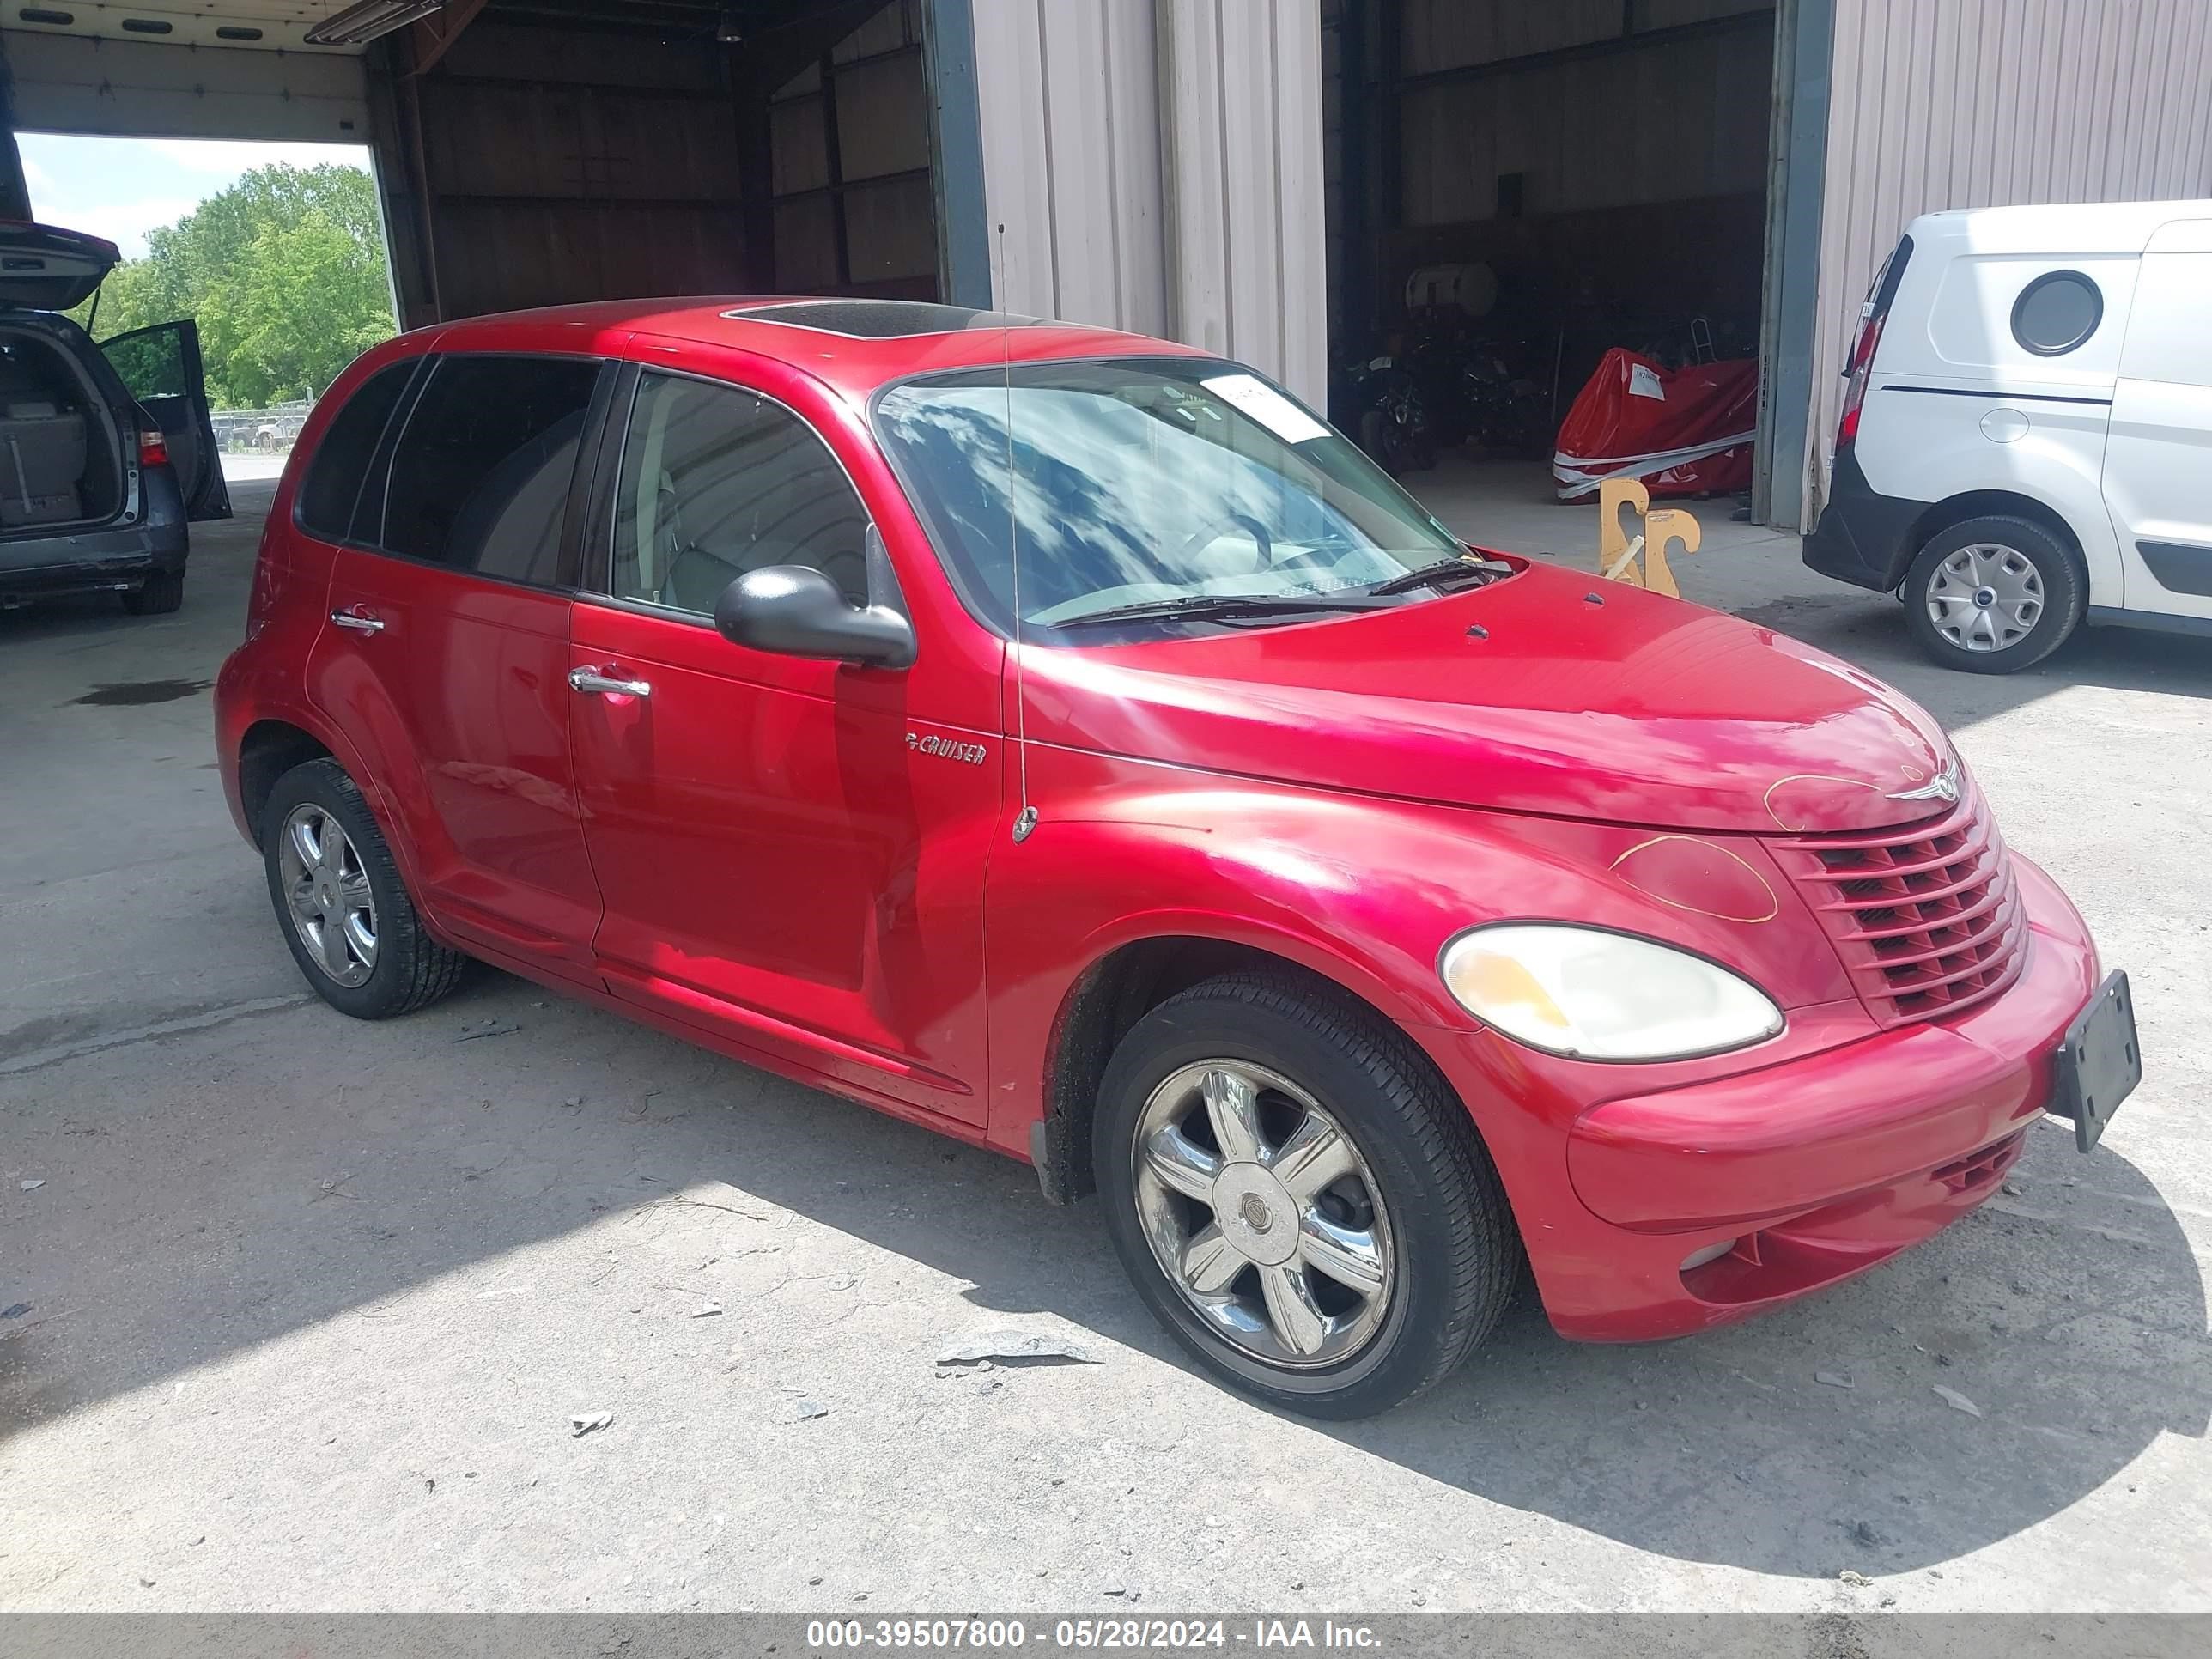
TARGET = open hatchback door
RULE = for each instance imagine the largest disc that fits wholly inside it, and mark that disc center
(45, 268)
(160, 365)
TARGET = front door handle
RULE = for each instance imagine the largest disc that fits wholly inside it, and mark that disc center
(358, 621)
(590, 679)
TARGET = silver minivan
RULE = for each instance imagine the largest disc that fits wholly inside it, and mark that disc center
(106, 450)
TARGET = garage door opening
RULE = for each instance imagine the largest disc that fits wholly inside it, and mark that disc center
(1516, 189)
(551, 152)
(538, 152)
(273, 252)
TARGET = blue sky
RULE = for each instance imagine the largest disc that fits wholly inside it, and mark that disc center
(121, 188)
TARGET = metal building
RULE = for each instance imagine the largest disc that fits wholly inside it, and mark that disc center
(1258, 176)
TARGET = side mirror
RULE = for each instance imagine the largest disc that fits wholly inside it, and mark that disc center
(795, 611)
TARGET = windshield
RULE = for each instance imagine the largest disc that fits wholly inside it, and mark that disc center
(1143, 482)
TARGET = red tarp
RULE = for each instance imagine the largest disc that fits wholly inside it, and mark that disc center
(1683, 431)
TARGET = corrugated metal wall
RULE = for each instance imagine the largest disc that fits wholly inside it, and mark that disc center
(1246, 261)
(1068, 102)
(1156, 165)
(1983, 103)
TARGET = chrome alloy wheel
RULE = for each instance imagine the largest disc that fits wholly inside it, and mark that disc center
(327, 892)
(1985, 597)
(1263, 1214)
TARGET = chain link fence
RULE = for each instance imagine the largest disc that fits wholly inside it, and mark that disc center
(260, 431)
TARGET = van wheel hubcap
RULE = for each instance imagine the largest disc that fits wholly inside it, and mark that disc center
(326, 891)
(1985, 597)
(1263, 1214)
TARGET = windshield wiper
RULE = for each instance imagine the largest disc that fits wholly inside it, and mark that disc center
(1442, 571)
(1208, 607)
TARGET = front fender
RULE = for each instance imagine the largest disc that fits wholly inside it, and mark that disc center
(1363, 891)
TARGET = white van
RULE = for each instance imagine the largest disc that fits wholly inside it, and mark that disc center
(2026, 440)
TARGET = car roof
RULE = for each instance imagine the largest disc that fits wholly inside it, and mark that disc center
(855, 345)
(2058, 228)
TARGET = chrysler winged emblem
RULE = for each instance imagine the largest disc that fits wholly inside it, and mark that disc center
(1943, 787)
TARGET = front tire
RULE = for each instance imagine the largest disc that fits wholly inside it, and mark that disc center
(345, 914)
(1994, 595)
(1297, 1197)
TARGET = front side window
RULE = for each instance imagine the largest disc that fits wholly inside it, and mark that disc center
(717, 481)
(1135, 482)
(480, 479)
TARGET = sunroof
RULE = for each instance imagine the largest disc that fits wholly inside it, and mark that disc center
(877, 319)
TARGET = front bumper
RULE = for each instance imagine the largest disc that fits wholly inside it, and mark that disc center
(1818, 1168)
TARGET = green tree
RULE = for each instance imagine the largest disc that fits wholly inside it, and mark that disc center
(284, 272)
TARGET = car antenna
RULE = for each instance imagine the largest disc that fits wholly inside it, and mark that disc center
(1025, 821)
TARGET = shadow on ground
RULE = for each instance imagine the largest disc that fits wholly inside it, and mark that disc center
(295, 1165)
(269, 1166)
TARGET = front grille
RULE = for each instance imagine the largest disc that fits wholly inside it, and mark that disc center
(1926, 917)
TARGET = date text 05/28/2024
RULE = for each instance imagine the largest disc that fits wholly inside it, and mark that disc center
(1147, 1634)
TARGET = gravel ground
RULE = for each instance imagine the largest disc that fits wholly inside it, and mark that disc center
(298, 1311)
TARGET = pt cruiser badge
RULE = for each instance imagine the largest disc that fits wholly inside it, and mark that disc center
(945, 748)
(1943, 787)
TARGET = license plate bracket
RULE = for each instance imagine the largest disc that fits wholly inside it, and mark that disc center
(2098, 1064)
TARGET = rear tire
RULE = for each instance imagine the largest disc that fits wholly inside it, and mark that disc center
(1994, 595)
(1336, 1286)
(163, 593)
(346, 916)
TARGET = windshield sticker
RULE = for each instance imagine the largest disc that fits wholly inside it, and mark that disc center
(1268, 406)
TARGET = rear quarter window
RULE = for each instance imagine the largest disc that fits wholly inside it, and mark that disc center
(2057, 312)
(331, 491)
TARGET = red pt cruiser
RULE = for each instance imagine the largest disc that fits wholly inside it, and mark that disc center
(1063, 739)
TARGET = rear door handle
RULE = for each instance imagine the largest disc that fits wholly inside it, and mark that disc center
(590, 679)
(357, 621)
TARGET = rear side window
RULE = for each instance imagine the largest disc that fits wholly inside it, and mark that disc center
(2056, 312)
(481, 476)
(332, 489)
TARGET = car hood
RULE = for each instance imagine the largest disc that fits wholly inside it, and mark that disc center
(45, 268)
(1548, 691)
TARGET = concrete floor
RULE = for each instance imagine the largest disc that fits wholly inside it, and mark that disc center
(310, 1303)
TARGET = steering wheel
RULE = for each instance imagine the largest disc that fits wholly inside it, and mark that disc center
(1213, 531)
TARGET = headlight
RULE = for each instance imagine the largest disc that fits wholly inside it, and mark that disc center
(1596, 996)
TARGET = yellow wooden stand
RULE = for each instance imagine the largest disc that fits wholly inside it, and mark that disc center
(1618, 554)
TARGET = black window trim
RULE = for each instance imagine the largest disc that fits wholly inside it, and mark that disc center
(597, 581)
(400, 408)
(567, 575)
(2035, 286)
(380, 458)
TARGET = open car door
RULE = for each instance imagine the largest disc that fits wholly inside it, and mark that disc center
(160, 366)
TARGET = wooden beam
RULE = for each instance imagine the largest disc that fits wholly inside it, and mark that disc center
(431, 36)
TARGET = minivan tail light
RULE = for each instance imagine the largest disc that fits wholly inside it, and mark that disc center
(1861, 371)
(1858, 368)
(152, 447)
